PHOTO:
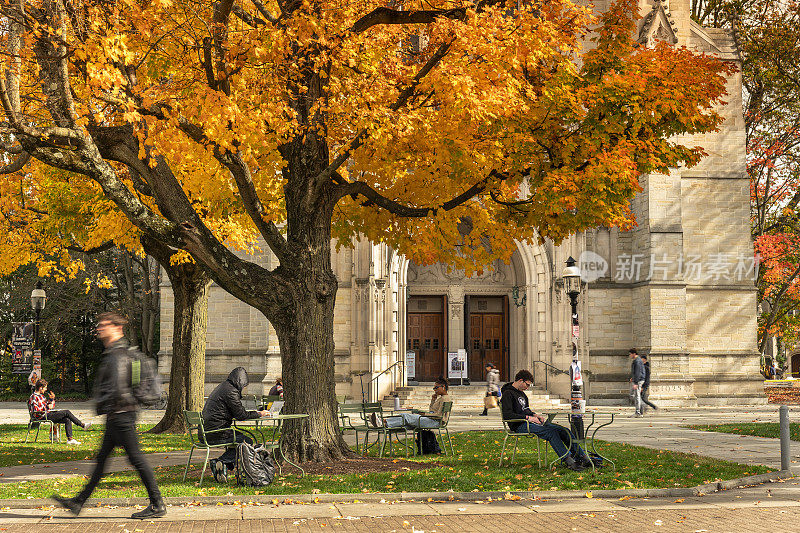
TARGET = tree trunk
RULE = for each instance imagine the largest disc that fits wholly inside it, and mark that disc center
(190, 286)
(306, 341)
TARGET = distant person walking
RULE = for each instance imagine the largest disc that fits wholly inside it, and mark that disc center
(492, 384)
(277, 389)
(114, 397)
(646, 385)
(637, 380)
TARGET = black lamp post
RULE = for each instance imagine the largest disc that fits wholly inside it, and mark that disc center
(38, 300)
(572, 286)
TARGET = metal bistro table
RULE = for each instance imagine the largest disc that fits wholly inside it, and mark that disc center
(586, 438)
(276, 430)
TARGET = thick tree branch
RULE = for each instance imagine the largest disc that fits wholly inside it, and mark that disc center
(385, 15)
(93, 250)
(359, 188)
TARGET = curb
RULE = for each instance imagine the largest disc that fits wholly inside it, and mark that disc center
(401, 497)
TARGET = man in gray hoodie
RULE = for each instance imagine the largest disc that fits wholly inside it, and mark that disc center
(637, 380)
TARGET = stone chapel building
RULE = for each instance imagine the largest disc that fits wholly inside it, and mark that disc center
(679, 287)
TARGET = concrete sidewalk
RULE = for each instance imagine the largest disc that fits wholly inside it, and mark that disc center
(766, 507)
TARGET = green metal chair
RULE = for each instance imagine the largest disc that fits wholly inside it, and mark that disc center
(351, 419)
(55, 434)
(443, 421)
(510, 433)
(198, 434)
(384, 433)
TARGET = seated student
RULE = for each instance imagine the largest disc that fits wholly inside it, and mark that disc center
(514, 405)
(224, 405)
(40, 405)
(412, 420)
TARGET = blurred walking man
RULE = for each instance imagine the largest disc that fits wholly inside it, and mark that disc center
(114, 397)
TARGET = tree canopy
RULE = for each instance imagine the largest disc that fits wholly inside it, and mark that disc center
(434, 127)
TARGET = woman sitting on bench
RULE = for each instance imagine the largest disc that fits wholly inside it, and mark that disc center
(40, 406)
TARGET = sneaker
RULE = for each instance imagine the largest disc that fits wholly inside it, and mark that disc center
(86, 426)
(73, 442)
(573, 465)
(154, 510)
(220, 471)
(70, 504)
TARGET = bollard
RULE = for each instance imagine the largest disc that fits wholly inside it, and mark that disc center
(785, 454)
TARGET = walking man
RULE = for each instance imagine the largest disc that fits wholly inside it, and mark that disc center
(646, 385)
(114, 397)
(637, 380)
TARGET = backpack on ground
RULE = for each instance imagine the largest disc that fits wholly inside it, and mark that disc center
(255, 466)
(427, 443)
(145, 380)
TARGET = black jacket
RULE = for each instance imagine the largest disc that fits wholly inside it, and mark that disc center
(637, 370)
(514, 405)
(224, 405)
(646, 375)
(112, 391)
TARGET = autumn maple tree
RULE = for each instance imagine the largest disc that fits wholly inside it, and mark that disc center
(422, 125)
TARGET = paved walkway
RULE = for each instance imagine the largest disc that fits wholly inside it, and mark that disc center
(764, 508)
(660, 430)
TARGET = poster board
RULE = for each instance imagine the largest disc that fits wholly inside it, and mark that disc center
(411, 364)
(22, 340)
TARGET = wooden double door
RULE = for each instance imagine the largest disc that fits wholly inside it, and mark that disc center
(426, 338)
(487, 344)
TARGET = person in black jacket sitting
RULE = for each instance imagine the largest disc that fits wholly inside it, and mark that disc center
(514, 405)
(223, 406)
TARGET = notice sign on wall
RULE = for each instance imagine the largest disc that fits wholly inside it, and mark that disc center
(411, 364)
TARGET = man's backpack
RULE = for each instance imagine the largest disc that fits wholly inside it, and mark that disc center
(145, 380)
(254, 465)
(427, 443)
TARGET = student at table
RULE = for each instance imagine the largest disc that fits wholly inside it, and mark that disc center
(514, 403)
(223, 406)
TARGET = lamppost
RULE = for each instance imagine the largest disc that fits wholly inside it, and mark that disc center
(38, 299)
(572, 286)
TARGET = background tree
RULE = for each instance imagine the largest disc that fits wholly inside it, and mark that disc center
(768, 35)
(309, 120)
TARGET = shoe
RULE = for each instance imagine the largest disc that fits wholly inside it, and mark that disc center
(86, 426)
(73, 442)
(484, 413)
(220, 471)
(70, 504)
(154, 510)
(584, 461)
(570, 463)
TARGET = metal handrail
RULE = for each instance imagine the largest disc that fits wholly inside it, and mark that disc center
(554, 369)
(391, 368)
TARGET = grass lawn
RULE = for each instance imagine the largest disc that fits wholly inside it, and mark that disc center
(757, 429)
(474, 467)
(15, 451)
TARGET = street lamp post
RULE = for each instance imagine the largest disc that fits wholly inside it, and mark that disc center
(572, 286)
(38, 300)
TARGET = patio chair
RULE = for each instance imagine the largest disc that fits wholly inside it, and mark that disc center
(198, 434)
(516, 436)
(351, 419)
(37, 419)
(443, 422)
(384, 433)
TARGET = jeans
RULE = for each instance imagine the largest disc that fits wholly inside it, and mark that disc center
(66, 418)
(646, 398)
(411, 421)
(637, 398)
(557, 436)
(229, 456)
(121, 431)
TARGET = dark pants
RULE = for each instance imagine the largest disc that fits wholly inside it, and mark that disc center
(121, 431)
(558, 437)
(229, 457)
(66, 418)
(646, 398)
